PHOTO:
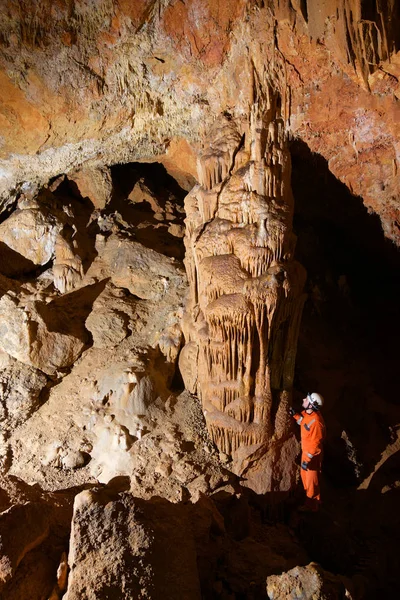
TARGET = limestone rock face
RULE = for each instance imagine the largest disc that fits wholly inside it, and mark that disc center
(246, 290)
(308, 582)
(143, 271)
(21, 529)
(20, 387)
(136, 85)
(188, 365)
(95, 306)
(67, 267)
(107, 327)
(40, 335)
(93, 183)
(107, 399)
(31, 234)
(136, 549)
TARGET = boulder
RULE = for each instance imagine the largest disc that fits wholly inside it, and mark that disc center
(38, 334)
(142, 193)
(144, 272)
(93, 183)
(130, 548)
(306, 582)
(110, 319)
(20, 388)
(27, 240)
(108, 328)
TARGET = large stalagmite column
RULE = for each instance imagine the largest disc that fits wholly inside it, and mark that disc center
(246, 298)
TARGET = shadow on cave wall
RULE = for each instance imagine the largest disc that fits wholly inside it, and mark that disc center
(66, 191)
(146, 196)
(348, 346)
(348, 350)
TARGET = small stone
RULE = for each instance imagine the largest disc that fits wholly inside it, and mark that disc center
(176, 230)
(73, 460)
(62, 572)
(86, 447)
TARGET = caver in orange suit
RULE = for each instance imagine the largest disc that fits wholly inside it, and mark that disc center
(312, 429)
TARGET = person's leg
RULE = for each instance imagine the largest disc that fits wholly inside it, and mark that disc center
(310, 480)
(313, 495)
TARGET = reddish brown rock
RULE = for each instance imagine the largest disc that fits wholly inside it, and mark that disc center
(22, 123)
(336, 67)
(95, 184)
(201, 30)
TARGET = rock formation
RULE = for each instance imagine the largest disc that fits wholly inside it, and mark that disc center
(114, 480)
(245, 290)
(152, 554)
(67, 268)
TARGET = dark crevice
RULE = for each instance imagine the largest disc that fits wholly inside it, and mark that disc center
(161, 205)
(304, 10)
(82, 208)
(353, 285)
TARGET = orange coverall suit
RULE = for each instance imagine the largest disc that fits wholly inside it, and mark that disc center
(312, 427)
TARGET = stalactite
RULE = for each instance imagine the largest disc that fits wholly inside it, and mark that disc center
(218, 160)
(240, 249)
(67, 267)
(229, 441)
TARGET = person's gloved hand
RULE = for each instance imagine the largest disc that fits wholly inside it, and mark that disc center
(304, 465)
(292, 412)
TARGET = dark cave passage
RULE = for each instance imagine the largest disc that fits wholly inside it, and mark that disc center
(350, 325)
(147, 197)
(348, 351)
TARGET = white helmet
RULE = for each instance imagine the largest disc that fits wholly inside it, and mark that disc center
(316, 400)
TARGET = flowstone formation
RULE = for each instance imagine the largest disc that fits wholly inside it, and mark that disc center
(246, 295)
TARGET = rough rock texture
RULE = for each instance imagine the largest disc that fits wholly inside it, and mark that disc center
(22, 528)
(41, 335)
(31, 234)
(307, 582)
(102, 407)
(131, 549)
(20, 390)
(144, 272)
(246, 293)
(135, 83)
(95, 184)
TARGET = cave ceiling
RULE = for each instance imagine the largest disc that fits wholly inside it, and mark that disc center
(111, 82)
